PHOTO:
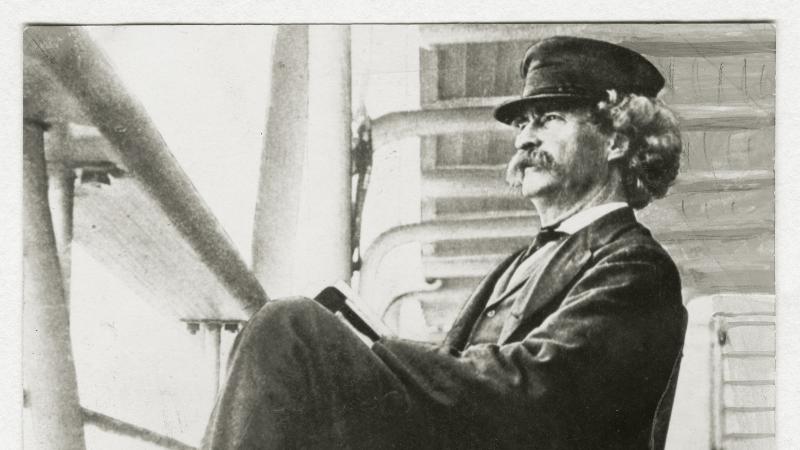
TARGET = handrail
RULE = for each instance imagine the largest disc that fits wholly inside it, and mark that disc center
(502, 227)
(79, 65)
(499, 227)
(108, 423)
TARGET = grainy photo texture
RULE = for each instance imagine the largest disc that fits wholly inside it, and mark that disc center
(444, 236)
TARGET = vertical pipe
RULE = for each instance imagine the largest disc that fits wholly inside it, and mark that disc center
(48, 368)
(211, 335)
(278, 202)
(61, 194)
(325, 255)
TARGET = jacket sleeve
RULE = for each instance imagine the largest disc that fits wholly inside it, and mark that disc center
(607, 349)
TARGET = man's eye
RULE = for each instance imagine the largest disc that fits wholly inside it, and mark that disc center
(519, 123)
(550, 117)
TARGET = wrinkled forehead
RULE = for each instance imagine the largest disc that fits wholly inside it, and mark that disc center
(540, 108)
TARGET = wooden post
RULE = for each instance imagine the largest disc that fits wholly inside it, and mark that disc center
(48, 369)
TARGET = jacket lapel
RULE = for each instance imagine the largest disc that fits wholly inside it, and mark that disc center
(462, 327)
(565, 264)
(568, 261)
(499, 293)
(509, 290)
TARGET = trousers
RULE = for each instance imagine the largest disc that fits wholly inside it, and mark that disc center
(300, 378)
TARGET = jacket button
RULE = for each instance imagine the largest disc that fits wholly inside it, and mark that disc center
(491, 313)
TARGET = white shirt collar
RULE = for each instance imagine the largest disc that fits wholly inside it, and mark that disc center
(585, 217)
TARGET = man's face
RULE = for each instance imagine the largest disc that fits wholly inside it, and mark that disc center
(560, 155)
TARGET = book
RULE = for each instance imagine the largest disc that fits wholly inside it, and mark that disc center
(341, 300)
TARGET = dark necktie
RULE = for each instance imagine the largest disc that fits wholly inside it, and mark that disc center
(545, 235)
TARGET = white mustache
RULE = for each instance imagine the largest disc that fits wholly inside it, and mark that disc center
(522, 160)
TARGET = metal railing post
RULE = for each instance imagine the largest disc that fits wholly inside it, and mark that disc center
(211, 346)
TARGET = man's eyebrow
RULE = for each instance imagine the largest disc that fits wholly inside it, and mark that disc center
(535, 114)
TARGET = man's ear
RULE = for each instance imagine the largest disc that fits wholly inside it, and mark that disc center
(617, 147)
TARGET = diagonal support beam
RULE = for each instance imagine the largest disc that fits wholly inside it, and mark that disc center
(85, 72)
(116, 426)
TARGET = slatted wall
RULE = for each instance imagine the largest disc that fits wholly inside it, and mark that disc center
(743, 382)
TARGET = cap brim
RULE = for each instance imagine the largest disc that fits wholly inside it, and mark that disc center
(511, 110)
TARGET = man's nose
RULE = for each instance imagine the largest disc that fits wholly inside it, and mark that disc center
(527, 139)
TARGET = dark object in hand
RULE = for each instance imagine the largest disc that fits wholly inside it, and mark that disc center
(335, 301)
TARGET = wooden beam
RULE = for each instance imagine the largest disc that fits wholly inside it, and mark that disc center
(682, 211)
(84, 71)
(124, 229)
(469, 266)
(748, 276)
(747, 281)
(723, 180)
(489, 182)
(653, 39)
(472, 119)
(44, 98)
(716, 245)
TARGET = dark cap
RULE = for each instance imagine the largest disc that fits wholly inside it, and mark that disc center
(572, 68)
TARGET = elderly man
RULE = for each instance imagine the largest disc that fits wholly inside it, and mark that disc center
(571, 343)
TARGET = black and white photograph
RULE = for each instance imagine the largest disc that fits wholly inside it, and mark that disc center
(418, 235)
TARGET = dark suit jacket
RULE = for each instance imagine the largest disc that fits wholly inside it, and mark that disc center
(587, 360)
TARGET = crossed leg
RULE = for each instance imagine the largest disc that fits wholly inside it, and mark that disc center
(299, 378)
